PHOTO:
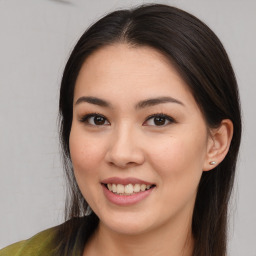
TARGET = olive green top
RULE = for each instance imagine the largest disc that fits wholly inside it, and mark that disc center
(68, 238)
(39, 245)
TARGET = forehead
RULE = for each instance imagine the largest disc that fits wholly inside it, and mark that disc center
(128, 71)
(122, 58)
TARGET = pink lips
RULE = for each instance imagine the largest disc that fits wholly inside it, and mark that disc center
(125, 200)
(126, 181)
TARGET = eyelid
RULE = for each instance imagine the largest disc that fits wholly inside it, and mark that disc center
(167, 117)
(84, 118)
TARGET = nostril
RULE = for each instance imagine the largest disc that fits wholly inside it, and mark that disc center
(124, 154)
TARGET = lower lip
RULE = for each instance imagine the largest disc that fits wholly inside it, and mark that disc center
(126, 200)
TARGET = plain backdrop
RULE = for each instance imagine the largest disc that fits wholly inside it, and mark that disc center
(36, 38)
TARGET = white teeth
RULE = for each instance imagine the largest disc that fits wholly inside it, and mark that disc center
(113, 188)
(143, 187)
(136, 188)
(127, 189)
(120, 188)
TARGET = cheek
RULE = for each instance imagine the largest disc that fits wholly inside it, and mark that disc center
(179, 167)
(85, 152)
(180, 157)
(86, 156)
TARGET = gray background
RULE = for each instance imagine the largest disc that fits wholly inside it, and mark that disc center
(36, 37)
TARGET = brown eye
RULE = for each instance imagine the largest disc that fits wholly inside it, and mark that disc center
(95, 120)
(159, 120)
(99, 120)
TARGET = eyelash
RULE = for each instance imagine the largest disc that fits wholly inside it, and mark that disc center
(161, 115)
(85, 119)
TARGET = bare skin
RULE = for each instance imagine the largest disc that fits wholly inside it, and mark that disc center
(134, 117)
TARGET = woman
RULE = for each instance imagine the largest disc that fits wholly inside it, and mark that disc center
(150, 128)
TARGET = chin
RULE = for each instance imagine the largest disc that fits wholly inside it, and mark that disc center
(129, 229)
(127, 223)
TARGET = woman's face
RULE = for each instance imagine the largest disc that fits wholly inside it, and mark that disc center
(138, 140)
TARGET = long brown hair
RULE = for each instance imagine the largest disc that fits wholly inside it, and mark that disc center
(204, 65)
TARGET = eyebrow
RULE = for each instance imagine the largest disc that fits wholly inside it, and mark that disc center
(93, 100)
(139, 105)
(156, 101)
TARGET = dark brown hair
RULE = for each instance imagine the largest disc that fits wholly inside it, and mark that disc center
(202, 62)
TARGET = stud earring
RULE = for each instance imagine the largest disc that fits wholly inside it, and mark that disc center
(212, 163)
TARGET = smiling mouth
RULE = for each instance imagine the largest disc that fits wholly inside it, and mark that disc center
(129, 189)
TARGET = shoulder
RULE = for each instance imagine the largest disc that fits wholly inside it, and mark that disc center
(68, 238)
(38, 245)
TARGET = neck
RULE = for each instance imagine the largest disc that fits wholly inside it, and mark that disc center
(171, 241)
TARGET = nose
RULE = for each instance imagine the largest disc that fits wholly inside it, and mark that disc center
(125, 149)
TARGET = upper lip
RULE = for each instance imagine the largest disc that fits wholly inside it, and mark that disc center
(125, 181)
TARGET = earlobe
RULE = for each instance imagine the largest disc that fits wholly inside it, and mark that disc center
(218, 144)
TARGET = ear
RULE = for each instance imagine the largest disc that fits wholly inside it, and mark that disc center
(218, 144)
